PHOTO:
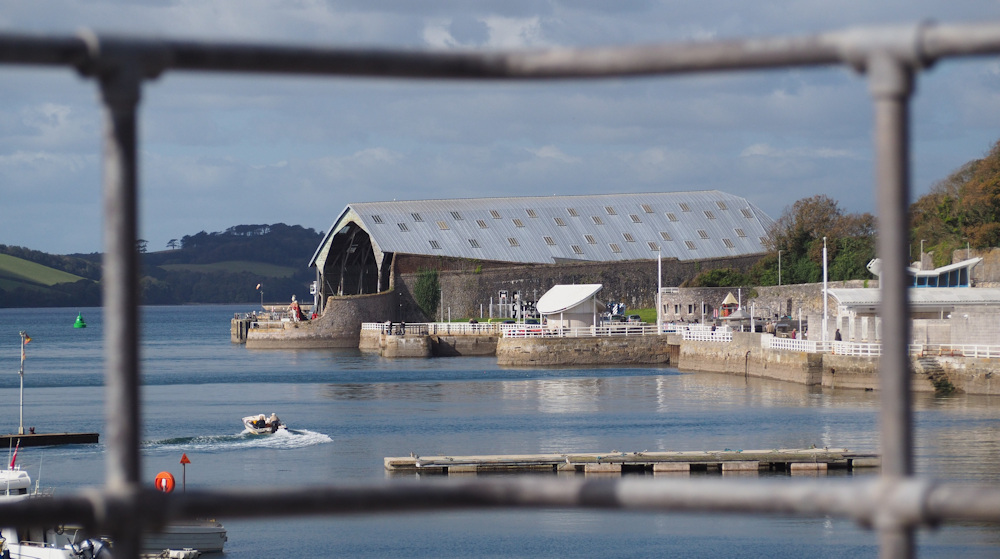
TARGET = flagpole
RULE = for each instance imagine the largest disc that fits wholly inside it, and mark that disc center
(20, 428)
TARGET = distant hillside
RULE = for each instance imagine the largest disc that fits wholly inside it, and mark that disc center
(219, 267)
(24, 283)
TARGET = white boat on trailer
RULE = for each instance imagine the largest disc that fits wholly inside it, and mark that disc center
(262, 425)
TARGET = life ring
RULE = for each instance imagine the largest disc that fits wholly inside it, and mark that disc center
(165, 482)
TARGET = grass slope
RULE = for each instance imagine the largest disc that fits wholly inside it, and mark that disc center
(20, 270)
(235, 266)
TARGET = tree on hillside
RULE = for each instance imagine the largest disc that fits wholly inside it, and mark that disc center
(172, 244)
(962, 208)
(799, 233)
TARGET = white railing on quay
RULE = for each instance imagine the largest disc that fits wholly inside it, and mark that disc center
(957, 350)
(708, 335)
(437, 328)
(622, 329)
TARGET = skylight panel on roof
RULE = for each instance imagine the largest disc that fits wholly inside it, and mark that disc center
(653, 245)
(482, 224)
(572, 212)
(647, 208)
(416, 217)
(610, 210)
(474, 243)
(513, 242)
(615, 248)
(590, 239)
(665, 236)
(709, 214)
(495, 214)
(635, 218)
(403, 227)
(703, 234)
(746, 213)
(684, 207)
(763, 241)
(690, 245)
(550, 241)
(518, 222)
(457, 216)
(442, 226)
(597, 220)
(560, 222)
(377, 219)
(740, 233)
(434, 244)
(671, 216)
(728, 243)
(628, 237)
(721, 204)
(577, 249)
(531, 212)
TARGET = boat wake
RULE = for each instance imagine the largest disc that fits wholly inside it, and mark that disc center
(283, 439)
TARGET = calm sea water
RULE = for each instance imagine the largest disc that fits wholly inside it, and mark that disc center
(348, 410)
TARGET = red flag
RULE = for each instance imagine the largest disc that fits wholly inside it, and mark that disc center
(14, 458)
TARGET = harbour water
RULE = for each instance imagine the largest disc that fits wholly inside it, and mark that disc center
(348, 410)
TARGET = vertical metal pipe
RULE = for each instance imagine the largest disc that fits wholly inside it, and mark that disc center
(890, 82)
(120, 92)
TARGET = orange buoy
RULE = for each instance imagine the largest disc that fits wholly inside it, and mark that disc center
(165, 482)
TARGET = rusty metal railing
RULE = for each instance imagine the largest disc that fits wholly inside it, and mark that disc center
(894, 505)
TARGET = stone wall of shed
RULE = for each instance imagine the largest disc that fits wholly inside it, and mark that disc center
(467, 284)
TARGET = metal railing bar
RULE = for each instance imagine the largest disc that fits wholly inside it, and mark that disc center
(908, 502)
(921, 43)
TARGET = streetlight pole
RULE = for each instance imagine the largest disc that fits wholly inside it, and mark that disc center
(20, 426)
(779, 268)
(922, 254)
(824, 289)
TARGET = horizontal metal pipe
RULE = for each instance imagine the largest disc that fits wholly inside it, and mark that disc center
(909, 502)
(853, 46)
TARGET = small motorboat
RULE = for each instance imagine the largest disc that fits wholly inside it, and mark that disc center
(262, 425)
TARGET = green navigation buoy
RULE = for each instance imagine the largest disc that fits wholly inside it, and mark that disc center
(79, 321)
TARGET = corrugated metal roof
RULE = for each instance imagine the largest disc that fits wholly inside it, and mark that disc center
(683, 225)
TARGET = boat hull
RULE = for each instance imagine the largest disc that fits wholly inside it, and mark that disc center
(206, 537)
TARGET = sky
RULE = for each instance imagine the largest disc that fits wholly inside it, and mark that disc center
(224, 150)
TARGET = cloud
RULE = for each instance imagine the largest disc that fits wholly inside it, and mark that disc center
(766, 150)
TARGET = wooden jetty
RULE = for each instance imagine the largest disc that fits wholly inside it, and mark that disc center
(48, 439)
(616, 462)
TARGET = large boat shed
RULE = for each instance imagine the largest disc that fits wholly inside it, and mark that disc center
(356, 255)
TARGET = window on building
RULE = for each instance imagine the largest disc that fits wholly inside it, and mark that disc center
(740, 233)
(703, 234)
(481, 224)
(746, 213)
(665, 236)
(572, 212)
(728, 243)
(615, 248)
(684, 207)
(610, 210)
(457, 216)
(653, 246)
(377, 219)
(550, 241)
(690, 309)
(443, 225)
(416, 217)
(671, 216)
(518, 222)
(690, 245)
(495, 214)
(513, 242)
(531, 213)
(577, 249)
(647, 208)
(560, 222)
(590, 239)
(403, 227)
(597, 220)
(434, 244)
(635, 218)
(474, 243)
(709, 214)
(721, 204)
(628, 237)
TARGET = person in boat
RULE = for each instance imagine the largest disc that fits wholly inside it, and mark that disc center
(274, 422)
(259, 423)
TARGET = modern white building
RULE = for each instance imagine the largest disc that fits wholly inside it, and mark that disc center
(571, 306)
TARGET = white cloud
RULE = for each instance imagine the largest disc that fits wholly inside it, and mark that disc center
(553, 152)
(767, 150)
